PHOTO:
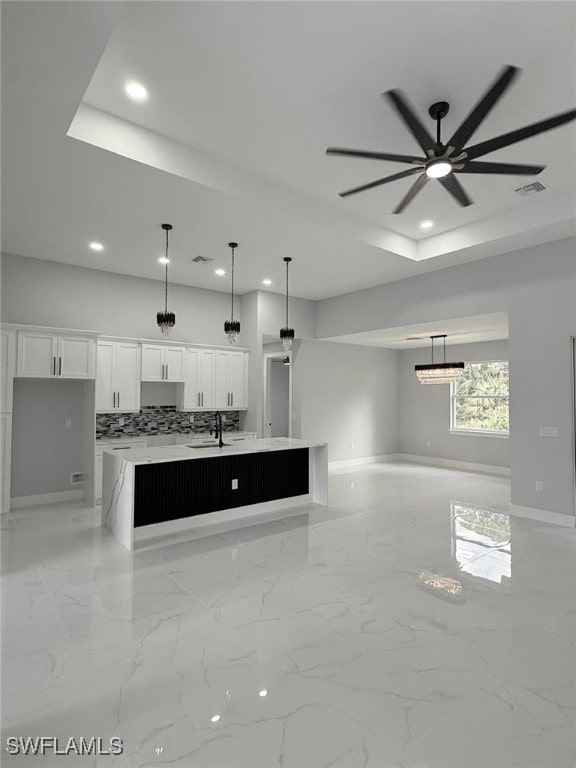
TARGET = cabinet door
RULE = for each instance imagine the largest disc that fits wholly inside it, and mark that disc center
(236, 379)
(7, 369)
(174, 361)
(207, 362)
(152, 362)
(5, 458)
(37, 353)
(105, 389)
(127, 376)
(75, 357)
(192, 379)
(221, 388)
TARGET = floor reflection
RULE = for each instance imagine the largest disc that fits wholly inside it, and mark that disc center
(481, 543)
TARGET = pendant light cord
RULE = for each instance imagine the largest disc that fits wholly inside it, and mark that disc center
(287, 264)
(166, 278)
(232, 298)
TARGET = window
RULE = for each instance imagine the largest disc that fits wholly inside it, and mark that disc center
(479, 399)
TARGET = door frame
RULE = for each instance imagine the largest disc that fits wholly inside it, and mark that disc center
(573, 430)
(268, 358)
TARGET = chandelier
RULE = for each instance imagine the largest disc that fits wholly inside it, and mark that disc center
(286, 333)
(166, 320)
(439, 373)
(232, 327)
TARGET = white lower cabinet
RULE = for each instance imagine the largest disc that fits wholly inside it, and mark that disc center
(5, 458)
(118, 376)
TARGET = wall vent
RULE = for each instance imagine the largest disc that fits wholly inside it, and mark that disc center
(530, 189)
(202, 260)
(76, 478)
(414, 338)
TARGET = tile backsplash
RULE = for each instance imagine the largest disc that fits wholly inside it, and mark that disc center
(161, 420)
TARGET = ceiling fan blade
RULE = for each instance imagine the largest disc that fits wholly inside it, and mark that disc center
(452, 185)
(506, 168)
(374, 155)
(522, 133)
(411, 194)
(379, 182)
(483, 107)
(408, 115)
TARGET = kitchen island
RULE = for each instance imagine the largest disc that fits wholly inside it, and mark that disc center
(148, 492)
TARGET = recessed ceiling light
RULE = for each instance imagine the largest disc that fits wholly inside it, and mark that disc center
(267, 281)
(136, 91)
(164, 260)
(215, 718)
(426, 224)
(263, 693)
(220, 272)
(96, 246)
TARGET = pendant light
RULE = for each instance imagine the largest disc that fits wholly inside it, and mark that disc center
(232, 327)
(166, 320)
(439, 373)
(286, 333)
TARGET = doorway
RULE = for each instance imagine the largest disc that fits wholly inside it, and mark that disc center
(278, 394)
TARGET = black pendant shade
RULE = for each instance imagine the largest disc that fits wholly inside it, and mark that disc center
(286, 333)
(232, 327)
(166, 320)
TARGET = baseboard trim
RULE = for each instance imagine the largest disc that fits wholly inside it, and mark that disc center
(464, 466)
(17, 502)
(543, 515)
(334, 466)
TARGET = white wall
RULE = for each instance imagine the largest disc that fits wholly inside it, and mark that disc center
(537, 287)
(348, 397)
(39, 292)
(425, 410)
(44, 451)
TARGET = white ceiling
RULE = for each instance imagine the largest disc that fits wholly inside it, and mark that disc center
(244, 99)
(459, 330)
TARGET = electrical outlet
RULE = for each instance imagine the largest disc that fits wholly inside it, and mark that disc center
(548, 431)
(351, 446)
(539, 485)
(68, 423)
(121, 422)
(234, 553)
(351, 485)
(235, 485)
(428, 444)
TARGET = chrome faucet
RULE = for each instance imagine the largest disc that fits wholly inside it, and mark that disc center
(217, 429)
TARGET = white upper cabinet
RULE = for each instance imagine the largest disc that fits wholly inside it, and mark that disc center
(118, 376)
(7, 369)
(46, 355)
(230, 379)
(199, 379)
(162, 362)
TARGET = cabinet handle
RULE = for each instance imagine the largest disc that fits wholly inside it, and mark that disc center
(118, 398)
(54, 365)
(232, 399)
(59, 366)
(202, 399)
(113, 399)
(166, 370)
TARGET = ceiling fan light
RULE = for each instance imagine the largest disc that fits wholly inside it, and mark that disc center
(438, 168)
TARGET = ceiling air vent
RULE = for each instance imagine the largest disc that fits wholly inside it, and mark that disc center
(202, 260)
(414, 338)
(530, 189)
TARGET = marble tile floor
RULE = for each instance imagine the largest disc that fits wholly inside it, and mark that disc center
(410, 624)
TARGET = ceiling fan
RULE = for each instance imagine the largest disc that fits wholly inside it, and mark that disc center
(443, 161)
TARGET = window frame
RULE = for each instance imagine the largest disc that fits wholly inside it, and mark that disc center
(454, 430)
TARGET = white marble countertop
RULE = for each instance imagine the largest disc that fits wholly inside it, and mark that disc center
(145, 455)
(180, 436)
